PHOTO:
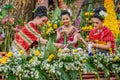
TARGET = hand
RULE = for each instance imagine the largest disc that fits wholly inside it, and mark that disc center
(59, 45)
(79, 36)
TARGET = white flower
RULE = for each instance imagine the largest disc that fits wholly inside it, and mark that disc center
(69, 12)
(103, 13)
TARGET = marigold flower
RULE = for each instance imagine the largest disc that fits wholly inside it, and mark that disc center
(4, 60)
(60, 50)
(21, 52)
(50, 58)
(75, 50)
(48, 23)
(31, 60)
(55, 26)
(83, 61)
(87, 13)
(115, 58)
(9, 54)
(37, 52)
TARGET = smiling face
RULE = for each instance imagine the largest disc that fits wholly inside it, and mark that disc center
(66, 20)
(97, 23)
(41, 21)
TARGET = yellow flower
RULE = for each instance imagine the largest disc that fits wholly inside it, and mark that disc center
(87, 13)
(75, 50)
(87, 19)
(9, 54)
(31, 60)
(21, 52)
(55, 26)
(75, 56)
(91, 13)
(110, 51)
(83, 61)
(93, 51)
(111, 18)
(60, 50)
(49, 30)
(4, 60)
(48, 23)
(115, 58)
(50, 58)
(37, 52)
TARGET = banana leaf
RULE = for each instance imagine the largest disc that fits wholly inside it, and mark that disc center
(56, 13)
(64, 75)
(50, 49)
(73, 74)
(91, 68)
(11, 77)
(42, 76)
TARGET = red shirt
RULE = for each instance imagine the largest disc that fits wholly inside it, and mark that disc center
(26, 36)
(105, 35)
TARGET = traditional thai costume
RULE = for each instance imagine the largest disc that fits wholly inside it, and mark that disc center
(24, 39)
(102, 38)
(70, 36)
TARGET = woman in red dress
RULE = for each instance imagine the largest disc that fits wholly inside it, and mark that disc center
(101, 38)
(29, 34)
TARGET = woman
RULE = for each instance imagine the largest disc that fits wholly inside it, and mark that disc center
(29, 34)
(67, 29)
(101, 38)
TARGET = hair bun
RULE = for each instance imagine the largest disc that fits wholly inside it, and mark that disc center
(41, 11)
(97, 10)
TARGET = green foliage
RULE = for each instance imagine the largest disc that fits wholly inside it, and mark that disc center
(68, 2)
(50, 49)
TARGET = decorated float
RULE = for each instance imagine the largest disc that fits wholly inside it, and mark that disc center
(51, 63)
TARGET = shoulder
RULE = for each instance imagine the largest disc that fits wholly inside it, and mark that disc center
(106, 29)
(93, 30)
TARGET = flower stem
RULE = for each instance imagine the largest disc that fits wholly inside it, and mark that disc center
(80, 74)
(53, 77)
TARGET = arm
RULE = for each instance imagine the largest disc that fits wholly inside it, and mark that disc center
(58, 36)
(102, 46)
(81, 39)
(43, 41)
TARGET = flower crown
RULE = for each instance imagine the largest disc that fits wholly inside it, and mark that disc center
(103, 14)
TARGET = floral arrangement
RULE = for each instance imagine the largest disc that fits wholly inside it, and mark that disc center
(111, 19)
(52, 63)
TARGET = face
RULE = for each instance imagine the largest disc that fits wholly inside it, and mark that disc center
(66, 20)
(97, 23)
(41, 21)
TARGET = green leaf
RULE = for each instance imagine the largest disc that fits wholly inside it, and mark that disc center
(43, 75)
(64, 75)
(73, 74)
(50, 49)
(11, 77)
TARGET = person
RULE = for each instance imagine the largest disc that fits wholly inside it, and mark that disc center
(29, 35)
(101, 38)
(66, 29)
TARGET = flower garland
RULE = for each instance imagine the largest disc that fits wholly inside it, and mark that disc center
(111, 19)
